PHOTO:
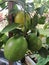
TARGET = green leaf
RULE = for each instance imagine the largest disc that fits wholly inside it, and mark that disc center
(37, 1)
(44, 32)
(27, 25)
(46, 26)
(4, 38)
(29, 7)
(1, 1)
(47, 40)
(43, 52)
(40, 10)
(10, 27)
(34, 21)
(42, 61)
(47, 4)
(23, 1)
(17, 31)
(41, 20)
(2, 4)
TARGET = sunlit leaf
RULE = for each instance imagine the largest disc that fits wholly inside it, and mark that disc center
(42, 61)
(44, 32)
(46, 26)
(10, 27)
(30, 7)
(40, 10)
(37, 1)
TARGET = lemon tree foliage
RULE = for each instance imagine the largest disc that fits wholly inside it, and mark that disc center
(44, 32)
(2, 4)
(43, 61)
(25, 34)
(9, 27)
(3, 39)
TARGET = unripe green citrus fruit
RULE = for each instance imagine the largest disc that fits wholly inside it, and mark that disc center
(34, 42)
(15, 48)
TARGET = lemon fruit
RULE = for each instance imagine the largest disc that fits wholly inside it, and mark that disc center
(15, 48)
(21, 17)
(34, 42)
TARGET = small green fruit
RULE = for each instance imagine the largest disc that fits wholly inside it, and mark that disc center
(15, 48)
(34, 42)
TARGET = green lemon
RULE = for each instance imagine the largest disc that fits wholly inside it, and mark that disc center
(15, 48)
(34, 42)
